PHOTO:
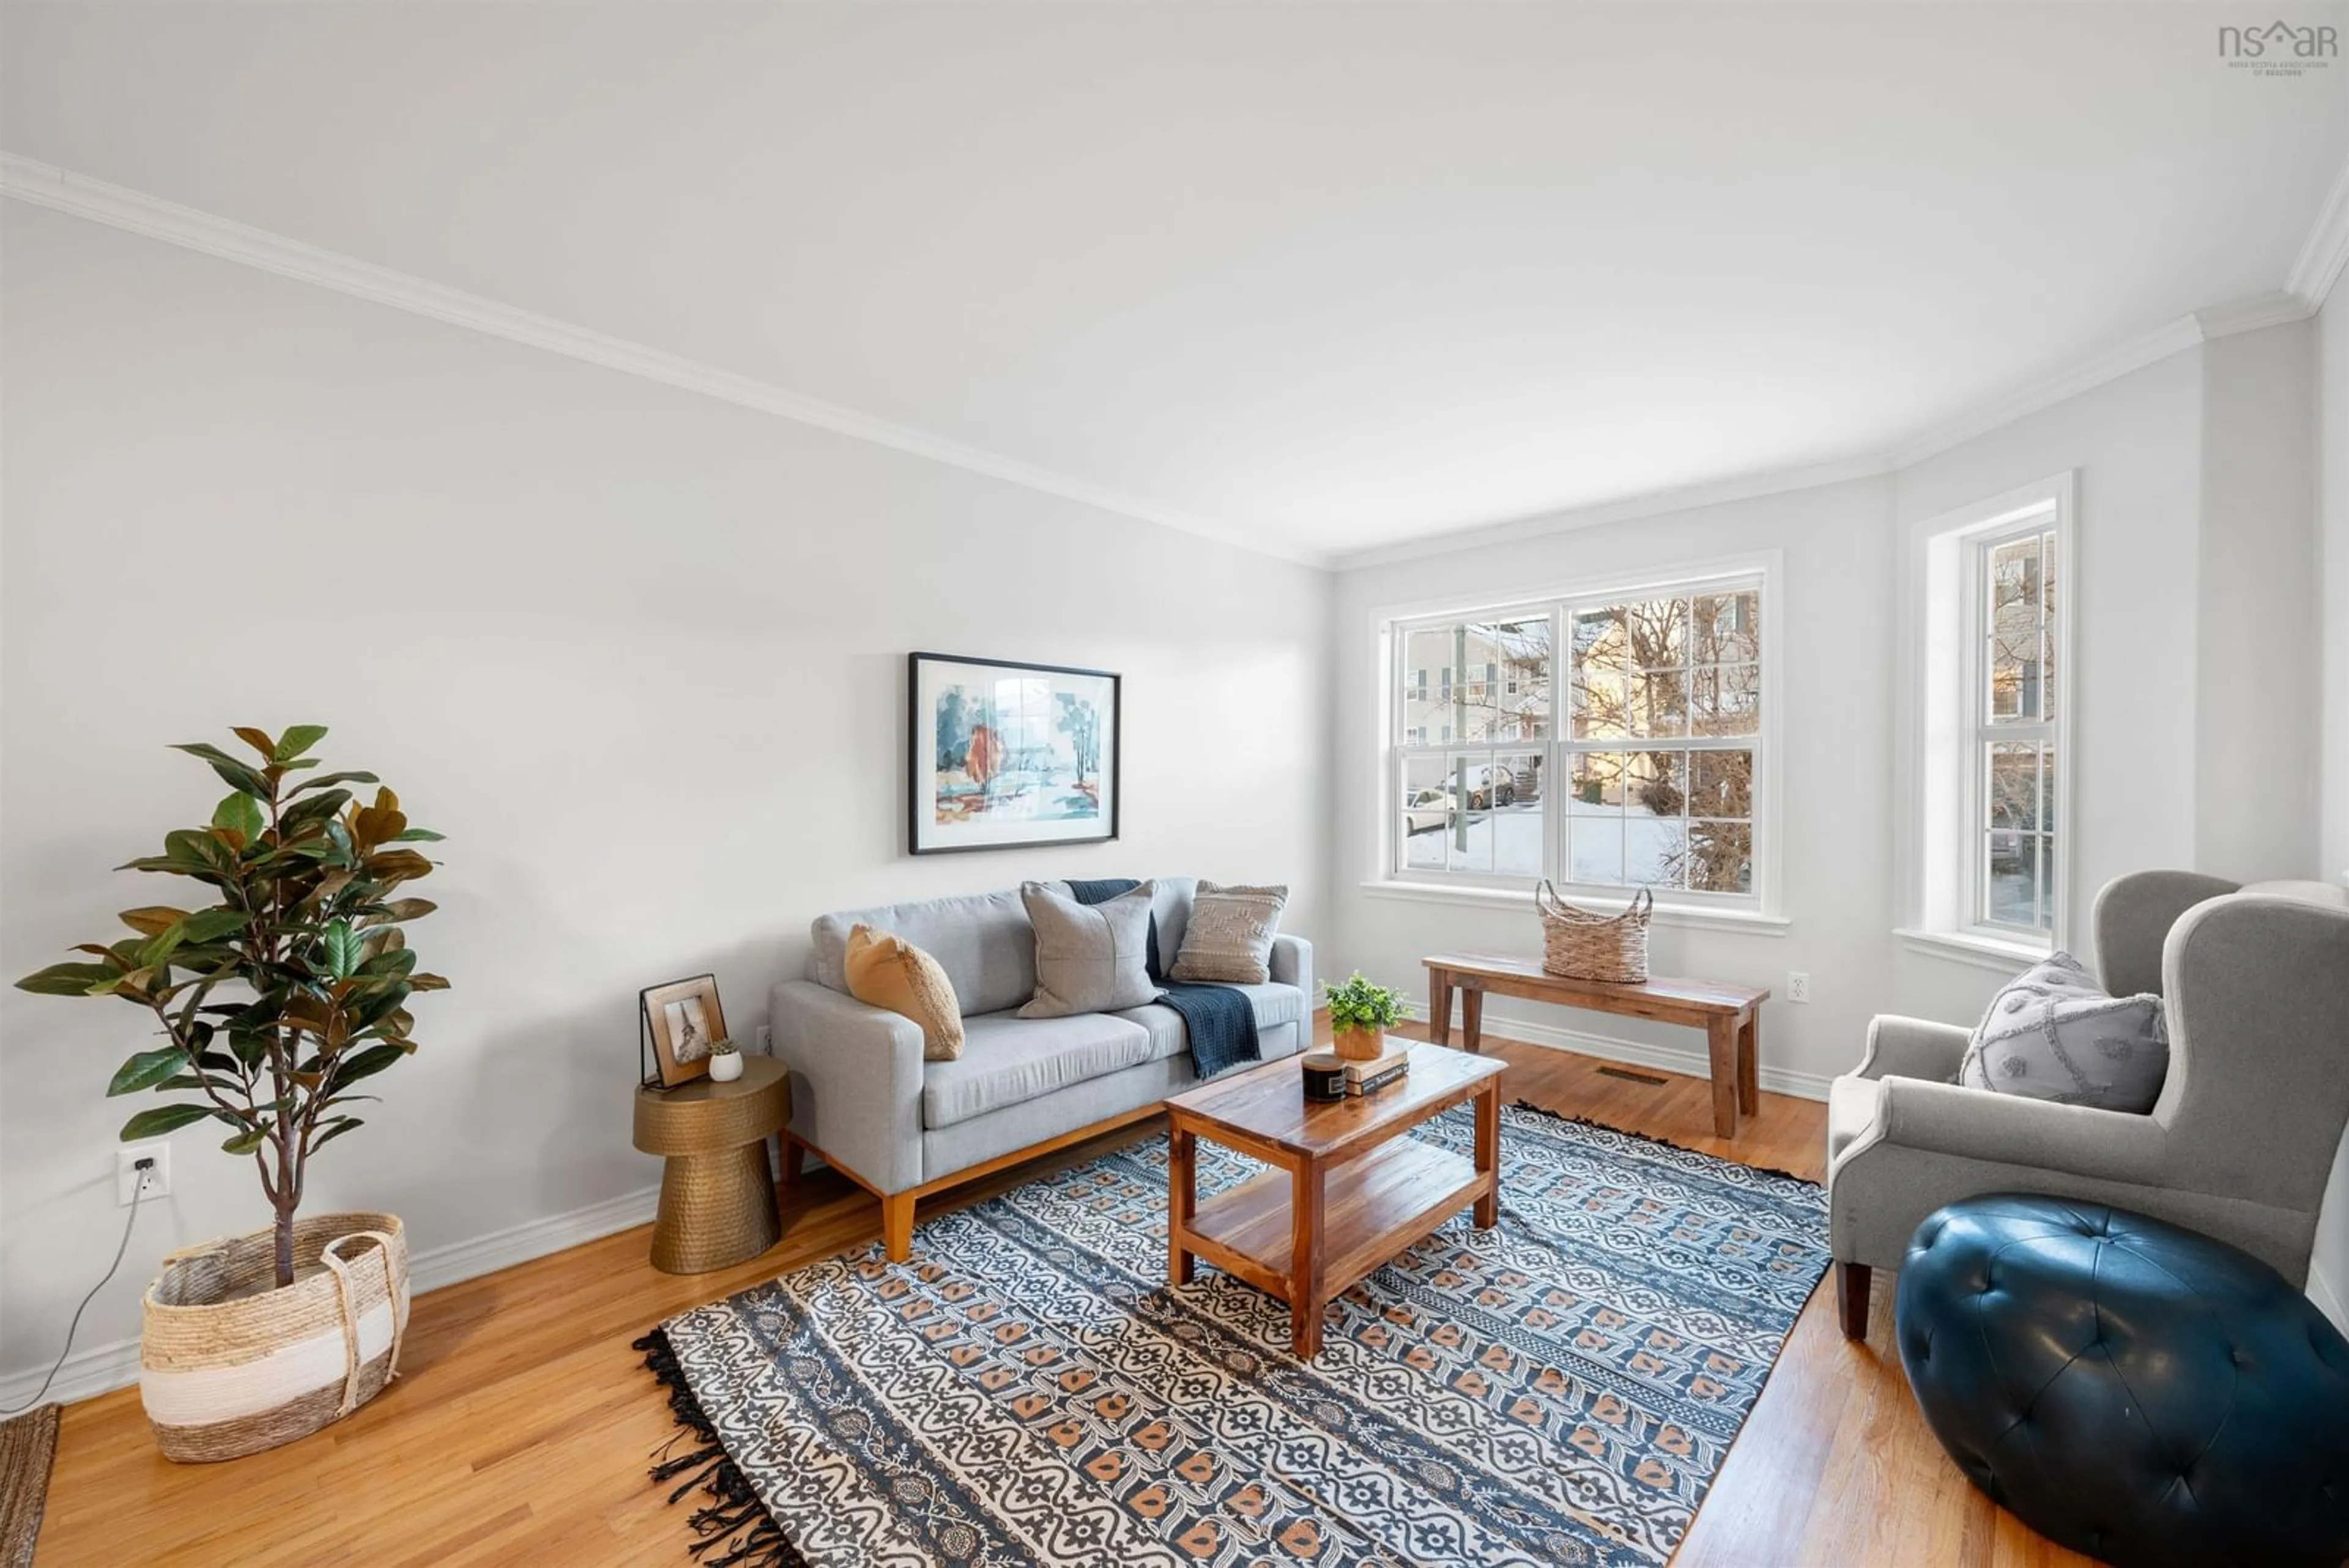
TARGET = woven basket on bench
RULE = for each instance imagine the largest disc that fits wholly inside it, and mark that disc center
(223, 1374)
(1581, 945)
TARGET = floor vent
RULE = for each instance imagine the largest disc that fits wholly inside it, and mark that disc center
(1630, 1076)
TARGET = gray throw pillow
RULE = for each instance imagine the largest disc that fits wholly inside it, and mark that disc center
(1090, 958)
(2051, 1034)
(1228, 938)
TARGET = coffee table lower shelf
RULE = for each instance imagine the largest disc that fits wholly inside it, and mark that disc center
(1370, 1208)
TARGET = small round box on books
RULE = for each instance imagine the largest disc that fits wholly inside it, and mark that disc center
(1325, 1075)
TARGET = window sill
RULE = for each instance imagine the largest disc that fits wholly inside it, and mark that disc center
(2007, 957)
(1744, 922)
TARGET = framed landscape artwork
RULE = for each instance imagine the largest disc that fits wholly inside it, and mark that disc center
(1006, 755)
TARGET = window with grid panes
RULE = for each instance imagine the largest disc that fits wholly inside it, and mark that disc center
(1609, 743)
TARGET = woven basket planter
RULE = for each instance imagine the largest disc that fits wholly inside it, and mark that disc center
(1581, 945)
(222, 1378)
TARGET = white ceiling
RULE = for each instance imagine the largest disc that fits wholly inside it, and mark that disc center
(1333, 275)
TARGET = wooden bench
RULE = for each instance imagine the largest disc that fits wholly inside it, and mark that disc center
(1730, 1015)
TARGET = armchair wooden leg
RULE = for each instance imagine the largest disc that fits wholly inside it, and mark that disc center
(1851, 1298)
(897, 1225)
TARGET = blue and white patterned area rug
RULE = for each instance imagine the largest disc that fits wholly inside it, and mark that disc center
(1559, 1389)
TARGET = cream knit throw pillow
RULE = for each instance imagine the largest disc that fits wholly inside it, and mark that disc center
(1228, 938)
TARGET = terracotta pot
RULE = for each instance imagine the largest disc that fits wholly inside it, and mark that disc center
(1358, 1045)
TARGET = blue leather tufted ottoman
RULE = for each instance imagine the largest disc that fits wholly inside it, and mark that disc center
(2129, 1388)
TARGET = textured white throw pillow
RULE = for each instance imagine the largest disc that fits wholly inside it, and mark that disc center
(2051, 1034)
(1228, 938)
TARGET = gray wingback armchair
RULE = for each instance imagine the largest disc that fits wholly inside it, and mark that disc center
(2255, 989)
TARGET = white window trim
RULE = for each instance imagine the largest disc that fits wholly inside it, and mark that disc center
(1940, 671)
(1759, 912)
(1745, 922)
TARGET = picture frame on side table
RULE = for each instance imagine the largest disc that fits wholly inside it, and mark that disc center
(1005, 756)
(676, 1025)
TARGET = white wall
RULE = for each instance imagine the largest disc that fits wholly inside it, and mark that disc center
(2333, 463)
(1836, 627)
(2257, 642)
(640, 655)
(2331, 1265)
(2132, 589)
(2138, 591)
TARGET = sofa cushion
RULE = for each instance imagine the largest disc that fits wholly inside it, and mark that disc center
(1090, 958)
(1273, 1004)
(1007, 1059)
(982, 941)
(1851, 1110)
(2051, 1034)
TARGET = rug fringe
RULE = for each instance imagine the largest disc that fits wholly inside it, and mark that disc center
(1658, 1142)
(736, 1529)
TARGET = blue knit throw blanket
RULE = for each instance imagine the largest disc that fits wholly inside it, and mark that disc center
(1220, 1021)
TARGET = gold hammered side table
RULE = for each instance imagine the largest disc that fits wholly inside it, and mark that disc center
(718, 1194)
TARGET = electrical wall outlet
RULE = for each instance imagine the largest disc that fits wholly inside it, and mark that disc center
(1798, 985)
(766, 1040)
(127, 1174)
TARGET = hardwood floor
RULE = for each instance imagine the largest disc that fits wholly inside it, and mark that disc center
(519, 1429)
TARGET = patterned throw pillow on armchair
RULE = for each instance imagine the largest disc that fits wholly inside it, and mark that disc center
(2051, 1034)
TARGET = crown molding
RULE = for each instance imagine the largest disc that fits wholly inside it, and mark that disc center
(46, 185)
(2326, 251)
(2321, 260)
(2109, 366)
(1648, 503)
(2273, 309)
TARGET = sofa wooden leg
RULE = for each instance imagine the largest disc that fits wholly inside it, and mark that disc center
(898, 1224)
(1851, 1298)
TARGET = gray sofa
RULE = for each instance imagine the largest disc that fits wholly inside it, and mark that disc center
(2254, 984)
(864, 1100)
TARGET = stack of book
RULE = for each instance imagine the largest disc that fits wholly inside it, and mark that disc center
(1388, 1067)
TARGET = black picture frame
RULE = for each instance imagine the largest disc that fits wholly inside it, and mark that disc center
(924, 832)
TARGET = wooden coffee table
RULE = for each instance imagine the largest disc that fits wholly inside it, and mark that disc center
(1348, 1192)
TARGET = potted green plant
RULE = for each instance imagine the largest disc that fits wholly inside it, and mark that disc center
(274, 1004)
(725, 1061)
(1359, 1015)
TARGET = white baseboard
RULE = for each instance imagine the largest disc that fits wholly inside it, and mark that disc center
(2328, 1301)
(1694, 1064)
(86, 1373)
(519, 1243)
(102, 1368)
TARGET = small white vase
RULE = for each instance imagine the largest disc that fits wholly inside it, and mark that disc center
(727, 1066)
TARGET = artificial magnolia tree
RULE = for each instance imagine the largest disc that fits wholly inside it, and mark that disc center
(288, 990)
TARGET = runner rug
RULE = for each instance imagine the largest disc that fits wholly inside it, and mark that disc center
(29, 1444)
(1559, 1389)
